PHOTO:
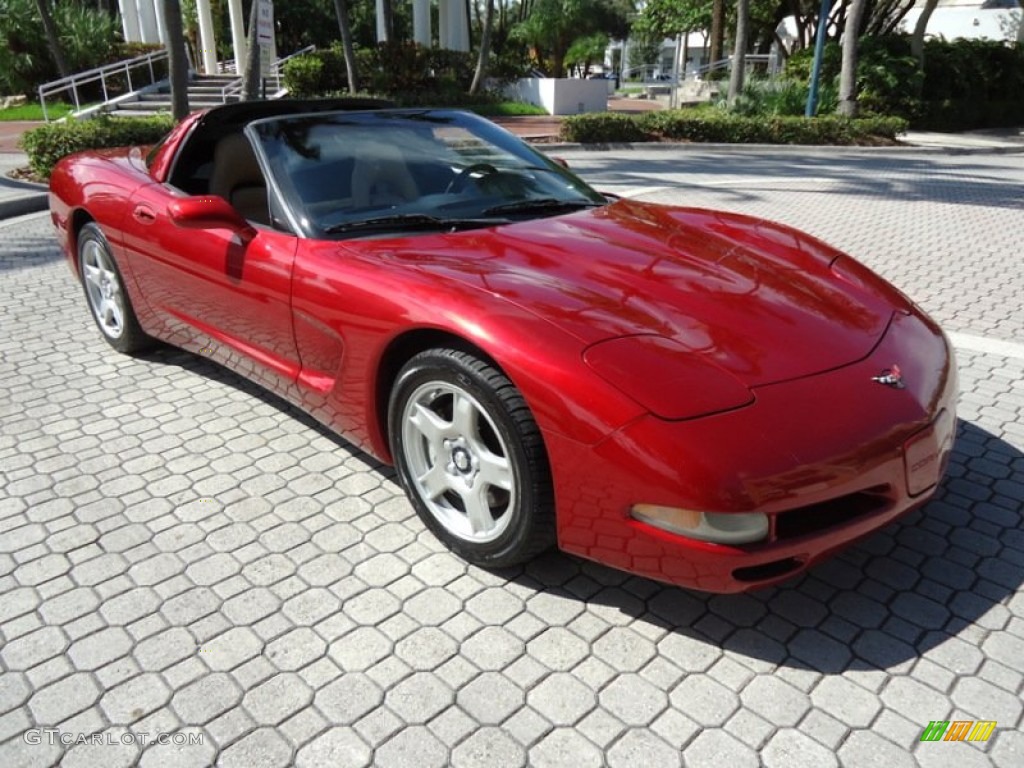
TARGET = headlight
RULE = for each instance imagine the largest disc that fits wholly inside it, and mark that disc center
(666, 378)
(717, 527)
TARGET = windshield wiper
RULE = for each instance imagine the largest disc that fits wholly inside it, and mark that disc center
(400, 221)
(541, 205)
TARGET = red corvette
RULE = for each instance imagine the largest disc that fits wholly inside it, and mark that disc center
(698, 397)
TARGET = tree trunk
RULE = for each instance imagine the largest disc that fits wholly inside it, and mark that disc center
(717, 31)
(389, 20)
(177, 59)
(917, 38)
(848, 74)
(341, 9)
(739, 58)
(485, 49)
(52, 38)
(251, 78)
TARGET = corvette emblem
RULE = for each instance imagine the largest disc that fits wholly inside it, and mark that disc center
(891, 377)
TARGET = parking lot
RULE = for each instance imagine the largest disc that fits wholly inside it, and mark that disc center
(187, 559)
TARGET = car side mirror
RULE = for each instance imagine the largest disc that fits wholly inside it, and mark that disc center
(208, 212)
(562, 162)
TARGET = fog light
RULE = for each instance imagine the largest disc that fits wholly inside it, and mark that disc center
(717, 527)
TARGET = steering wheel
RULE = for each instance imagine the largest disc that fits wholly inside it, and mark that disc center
(476, 170)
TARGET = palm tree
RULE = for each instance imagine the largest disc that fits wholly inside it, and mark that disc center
(52, 38)
(177, 58)
(485, 49)
(739, 59)
(252, 74)
(341, 9)
(848, 74)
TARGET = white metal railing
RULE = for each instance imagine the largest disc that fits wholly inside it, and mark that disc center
(236, 86)
(101, 74)
(703, 70)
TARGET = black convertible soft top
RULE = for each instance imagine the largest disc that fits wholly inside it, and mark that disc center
(244, 112)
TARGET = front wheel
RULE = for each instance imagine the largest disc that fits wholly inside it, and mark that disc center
(471, 458)
(105, 294)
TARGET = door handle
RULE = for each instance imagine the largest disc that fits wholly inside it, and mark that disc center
(144, 214)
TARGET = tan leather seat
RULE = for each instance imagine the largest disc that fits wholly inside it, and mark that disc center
(380, 177)
(238, 179)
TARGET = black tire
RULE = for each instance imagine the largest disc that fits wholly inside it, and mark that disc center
(105, 295)
(468, 508)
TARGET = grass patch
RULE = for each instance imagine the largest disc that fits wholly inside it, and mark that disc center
(507, 109)
(34, 111)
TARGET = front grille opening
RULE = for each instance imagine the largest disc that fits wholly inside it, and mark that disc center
(829, 514)
(771, 570)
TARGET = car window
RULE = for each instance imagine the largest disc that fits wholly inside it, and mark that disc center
(341, 171)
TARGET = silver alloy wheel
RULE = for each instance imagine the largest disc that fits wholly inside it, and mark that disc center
(458, 462)
(103, 289)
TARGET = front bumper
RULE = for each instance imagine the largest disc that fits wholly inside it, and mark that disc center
(825, 457)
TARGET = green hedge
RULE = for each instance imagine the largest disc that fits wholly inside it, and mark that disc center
(715, 126)
(49, 143)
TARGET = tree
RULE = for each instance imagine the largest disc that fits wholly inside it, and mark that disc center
(251, 76)
(717, 30)
(52, 39)
(485, 49)
(848, 74)
(739, 59)
(177, 58)
(917, 38)
(551, 26)
(341, 9)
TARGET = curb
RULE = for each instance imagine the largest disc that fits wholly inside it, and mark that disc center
(692, 146)
(20, 206)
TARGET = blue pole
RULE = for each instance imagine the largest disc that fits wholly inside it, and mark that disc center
(819, 51)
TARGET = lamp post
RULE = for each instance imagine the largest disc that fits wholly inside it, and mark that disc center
(819, 51)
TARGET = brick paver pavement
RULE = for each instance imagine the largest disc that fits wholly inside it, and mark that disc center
(181, 553)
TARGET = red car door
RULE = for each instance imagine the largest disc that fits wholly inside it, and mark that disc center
(218, 294)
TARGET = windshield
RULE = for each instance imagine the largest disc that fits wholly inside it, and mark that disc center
(359, 174)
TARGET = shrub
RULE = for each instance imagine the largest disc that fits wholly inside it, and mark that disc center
(48, 143)
(723, 127)
(86, 37)
(603, 128)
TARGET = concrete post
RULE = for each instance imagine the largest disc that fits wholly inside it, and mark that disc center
(147, 21)
(207, 37)
(130, 21)
(443, 27)
(382, 31)
(238, 42)
(421, 32)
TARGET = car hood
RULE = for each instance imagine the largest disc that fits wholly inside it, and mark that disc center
(753, 297)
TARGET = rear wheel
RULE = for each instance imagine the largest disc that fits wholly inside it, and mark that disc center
(104, 292)
(471, 458)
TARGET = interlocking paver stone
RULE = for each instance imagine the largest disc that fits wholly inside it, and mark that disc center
(562, 699)
(490, 698)
(206, 698)
(641, 747)
(161, 516)
(335, 746)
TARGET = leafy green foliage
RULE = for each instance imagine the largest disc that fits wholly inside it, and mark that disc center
(388, 68)
(724, 127)
(603, 128)
(49, 143)
(965, 84)
(780, 97)
(87, 37)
